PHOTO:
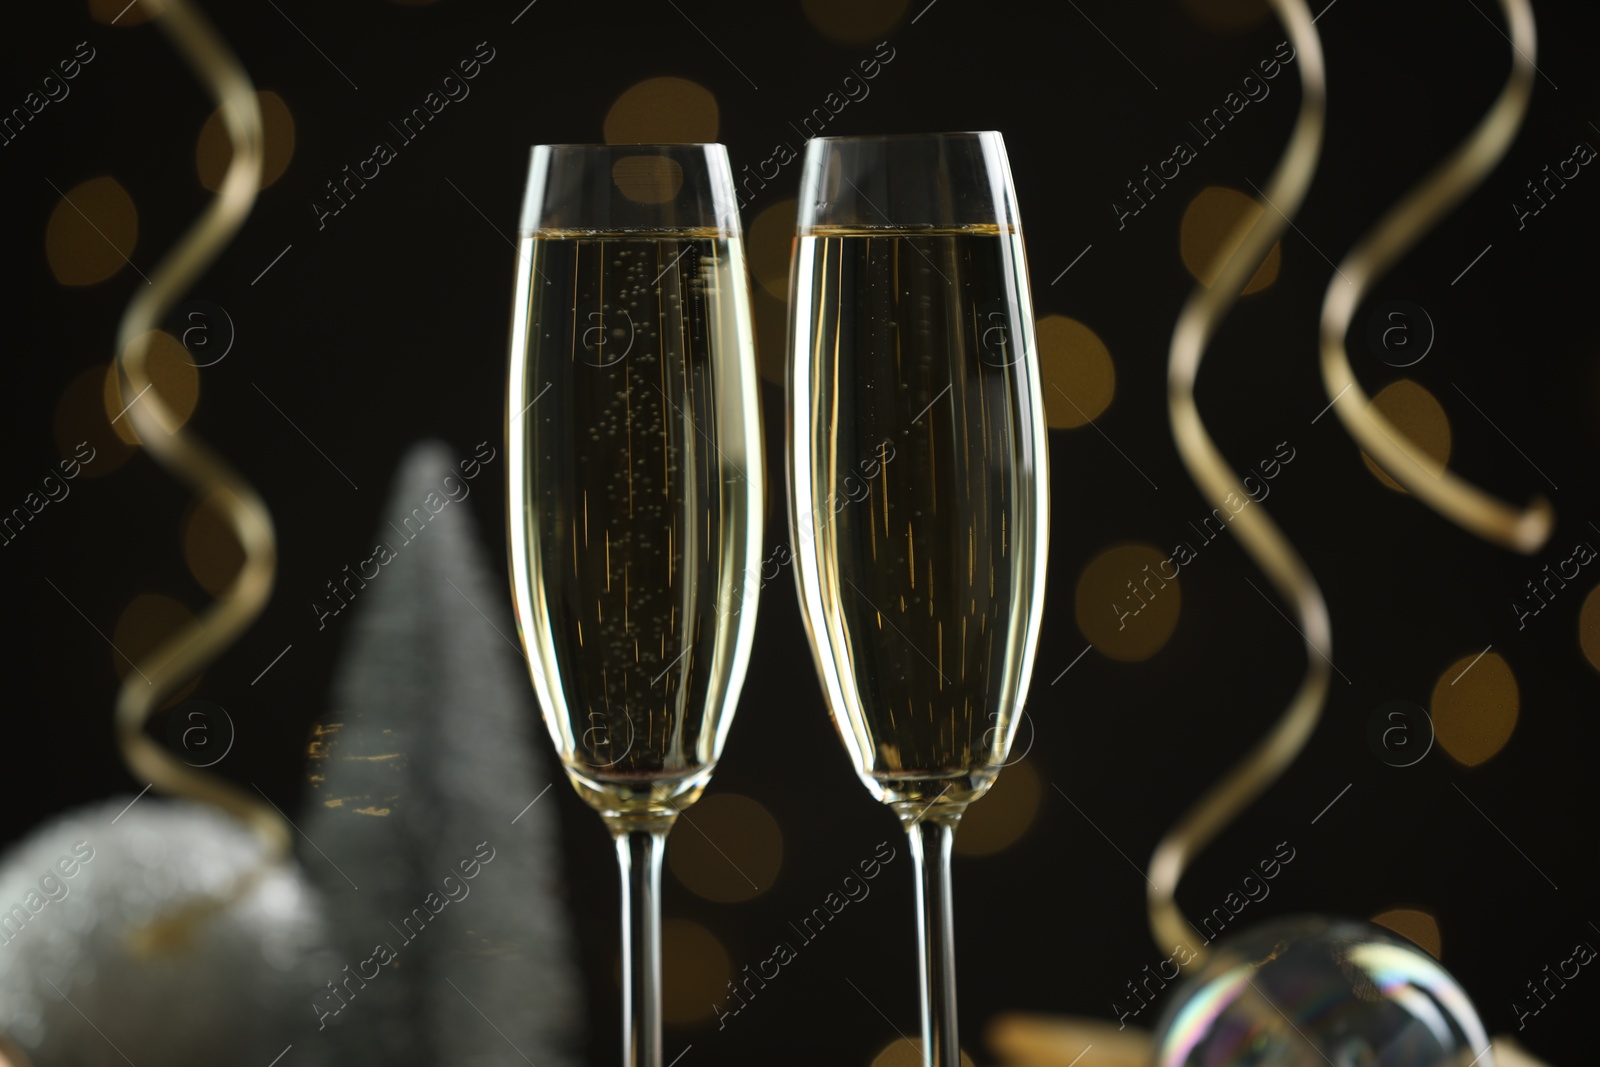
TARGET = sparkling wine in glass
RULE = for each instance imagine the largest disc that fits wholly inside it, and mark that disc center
(918, 487)
(635, 497)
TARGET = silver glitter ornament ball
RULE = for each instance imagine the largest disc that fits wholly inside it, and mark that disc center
(94, 972)
(1312, 991)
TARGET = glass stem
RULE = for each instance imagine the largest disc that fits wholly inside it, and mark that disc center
(931, 839)
(639, 853)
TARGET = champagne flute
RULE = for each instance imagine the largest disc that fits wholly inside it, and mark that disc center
(918, 487)
(634, 459)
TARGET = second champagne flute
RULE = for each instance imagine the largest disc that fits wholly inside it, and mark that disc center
(634, 457)
(918, 490)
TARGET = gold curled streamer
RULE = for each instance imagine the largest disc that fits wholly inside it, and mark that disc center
(1402, 227)
(1258, 534)
(187, 458)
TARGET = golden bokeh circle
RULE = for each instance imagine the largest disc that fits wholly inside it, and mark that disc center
(770, 240)
(695, 971)
(664, 110)
(1474, 707)
(173, 378)
(92, 232)
(907, 1052)
(1415, 925)
(123, 12)
(1420, 418)
(731, 851)
(1128, 624)
(148, 621)
(1214, 225)
(854, 21)
(1076, 374)
(647, 179)
(1000, 818)
(1227, 14)
(81, 417)
(210, 547)
(213, 151)
(11, 1055)
(1589, 627)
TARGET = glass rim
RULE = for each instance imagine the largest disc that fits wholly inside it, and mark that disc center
(645, 144)
(864, 137)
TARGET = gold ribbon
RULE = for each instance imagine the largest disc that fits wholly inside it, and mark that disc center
(186, 457)
(1259, 535)
(1402, 227)
(1458, 500)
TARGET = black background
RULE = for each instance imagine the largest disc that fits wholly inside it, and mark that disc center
(389, 325)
